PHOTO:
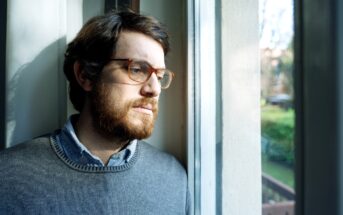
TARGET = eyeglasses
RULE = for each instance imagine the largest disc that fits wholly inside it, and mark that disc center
(141, 71)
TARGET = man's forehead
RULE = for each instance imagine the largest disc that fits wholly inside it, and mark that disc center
(136, 45)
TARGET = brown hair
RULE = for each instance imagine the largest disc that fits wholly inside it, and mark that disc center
(96, 42)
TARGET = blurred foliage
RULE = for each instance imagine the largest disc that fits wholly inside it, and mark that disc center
(277, 71)
(278, 130)
(278, 171)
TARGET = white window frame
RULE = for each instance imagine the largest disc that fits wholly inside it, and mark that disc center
(202, 102)
(240, 123)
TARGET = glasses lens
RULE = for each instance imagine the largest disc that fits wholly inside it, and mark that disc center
(139, 71)
(165, 79)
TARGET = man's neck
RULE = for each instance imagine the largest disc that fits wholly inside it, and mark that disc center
(96, 143)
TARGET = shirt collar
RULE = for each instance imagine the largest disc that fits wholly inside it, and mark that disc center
(77, 152)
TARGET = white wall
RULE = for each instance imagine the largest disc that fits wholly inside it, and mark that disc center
(170, 130)
(37, 33)
(35, 41)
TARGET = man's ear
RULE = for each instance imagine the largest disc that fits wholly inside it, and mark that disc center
(81, 78)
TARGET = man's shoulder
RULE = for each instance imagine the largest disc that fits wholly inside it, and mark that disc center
(26, 149)
(156, 154)
(157, 157)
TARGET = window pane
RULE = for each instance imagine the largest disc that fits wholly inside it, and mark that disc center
(277, 111)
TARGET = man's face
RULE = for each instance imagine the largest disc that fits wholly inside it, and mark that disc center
(121, 108)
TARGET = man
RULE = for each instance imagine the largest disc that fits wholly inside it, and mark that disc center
(97, 163)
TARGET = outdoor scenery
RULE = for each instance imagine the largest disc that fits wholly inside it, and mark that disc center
(277, 109)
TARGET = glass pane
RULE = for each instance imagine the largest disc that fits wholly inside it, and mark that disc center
(277, 112)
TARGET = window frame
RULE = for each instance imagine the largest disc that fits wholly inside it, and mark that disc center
(319, 98)
(201, 105)
(206, 99)
(3, 30)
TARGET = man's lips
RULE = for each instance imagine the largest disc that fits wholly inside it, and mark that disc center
(146, 106)
(146, 109)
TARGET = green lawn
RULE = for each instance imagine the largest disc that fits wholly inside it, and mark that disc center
(279, 172)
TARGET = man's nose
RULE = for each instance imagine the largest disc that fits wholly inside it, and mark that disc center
(152, 87)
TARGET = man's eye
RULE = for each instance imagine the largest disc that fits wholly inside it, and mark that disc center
(135, 70)
(160, 77)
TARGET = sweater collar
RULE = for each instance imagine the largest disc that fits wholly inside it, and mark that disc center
(77, 152)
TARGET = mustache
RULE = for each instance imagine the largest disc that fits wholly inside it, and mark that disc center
(153, 103)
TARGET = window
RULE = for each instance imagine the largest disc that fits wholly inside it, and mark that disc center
(317, 103)
(277, 109)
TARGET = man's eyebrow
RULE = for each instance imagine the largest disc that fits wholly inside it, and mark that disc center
(145, 61)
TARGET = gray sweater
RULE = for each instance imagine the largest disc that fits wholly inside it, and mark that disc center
(37, 178)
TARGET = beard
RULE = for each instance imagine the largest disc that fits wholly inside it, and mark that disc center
(114, 118)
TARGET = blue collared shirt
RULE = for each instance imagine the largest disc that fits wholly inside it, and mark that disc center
(78, 153)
